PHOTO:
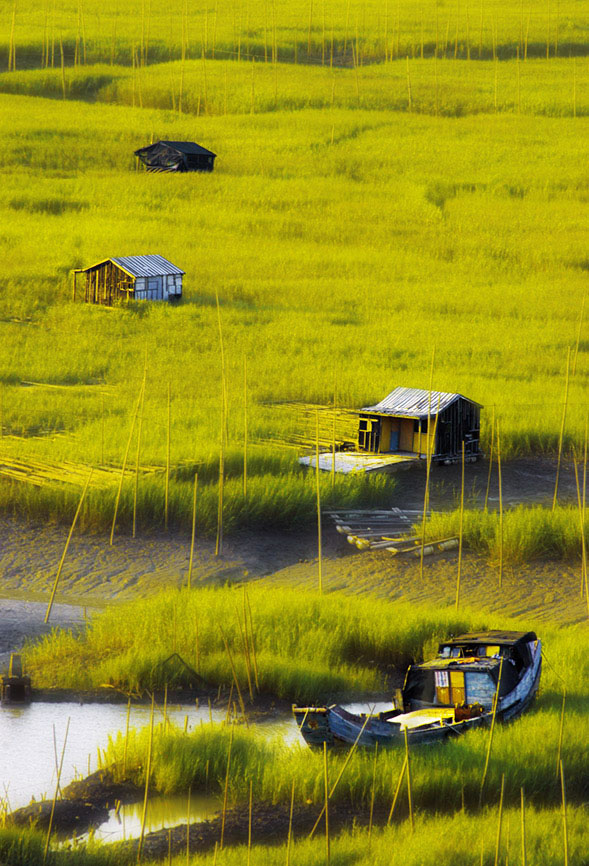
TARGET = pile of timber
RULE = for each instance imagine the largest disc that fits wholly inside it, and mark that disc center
(393, 529)
(306, 424)
(41, 473)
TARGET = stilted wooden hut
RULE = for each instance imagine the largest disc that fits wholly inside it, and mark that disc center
(176, 156)
(405, 427)
(403, 422)
(139, 278)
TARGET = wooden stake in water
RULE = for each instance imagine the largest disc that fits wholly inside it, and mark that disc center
(67, 544)
(318, 490)
(562, 426)
(460, 532)
(147, 775)
(226, 790)
(490, 743)
(500, 506)
(190, 561)
(500, 819)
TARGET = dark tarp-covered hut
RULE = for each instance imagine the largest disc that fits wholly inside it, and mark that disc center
(176, 156)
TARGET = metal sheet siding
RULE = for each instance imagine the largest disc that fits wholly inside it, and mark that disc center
(146, 266)
(414, 403)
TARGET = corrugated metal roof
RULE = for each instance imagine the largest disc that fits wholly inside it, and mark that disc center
(414, 403)
(188, 147)
(146, 266)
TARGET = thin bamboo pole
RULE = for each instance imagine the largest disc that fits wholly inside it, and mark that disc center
(576, 353)
(191, 560)
(289, 837)
(397, 790)
(124, 466)
(234, 672)
(188, 827)
(326, 788)
(490, 458)
(560, 733)
(333, 430)
(168, 442)
(57, 784)
(490, 743)
(126, 746)
(500, 506)
(11, 48)
(67, 544)
(137, 454)
(409, 794)
(460, 532)
(409, 97)
(372, 795)
(565, 835)
(562, 426)
(523, 827)
(226, 790)
(253, 641)
(318, 491)
(249, 827)
(246, 655)
(245, 420)
(427, 460)
(219, 539)
(147, 775)
(499, 821)
(581, 527)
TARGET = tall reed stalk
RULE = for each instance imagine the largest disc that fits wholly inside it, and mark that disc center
(562, 426)
(318, 491)
(523, 828)
(409, 792)
(147, 775)
(499, 821)
(138, 452)
(226, 789)
(57, 784)
(427, 460)
(191, 559)
(560, 733)
(490, 458)
(491, 732)
(326, 790)
(168, 445)
(124, 466)
(219, 539)
(565, 835)
(460, 532)
(500, 506)
(65, 550)
(245, 420)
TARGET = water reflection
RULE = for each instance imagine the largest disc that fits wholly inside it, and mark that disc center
(162, 812)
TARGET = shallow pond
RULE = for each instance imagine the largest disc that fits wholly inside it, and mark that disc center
(31, 741)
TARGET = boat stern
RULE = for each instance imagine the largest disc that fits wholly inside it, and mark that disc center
(313, 723)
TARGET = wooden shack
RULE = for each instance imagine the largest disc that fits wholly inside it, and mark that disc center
(402, 429)
(404, 420)
(139, 278)
(176, 156)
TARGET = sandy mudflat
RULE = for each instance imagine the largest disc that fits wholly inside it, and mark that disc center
(96, 573)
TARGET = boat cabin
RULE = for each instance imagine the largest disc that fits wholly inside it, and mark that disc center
(416, 423)
(466, 672)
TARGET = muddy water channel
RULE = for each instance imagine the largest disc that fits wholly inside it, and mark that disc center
(31, 742)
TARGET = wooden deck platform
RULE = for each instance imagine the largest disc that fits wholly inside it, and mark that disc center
(354, 462)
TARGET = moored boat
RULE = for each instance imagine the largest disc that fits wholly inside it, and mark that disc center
(473, 677)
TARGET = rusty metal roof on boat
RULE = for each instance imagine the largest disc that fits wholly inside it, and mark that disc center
(415, 403)
(492, 638)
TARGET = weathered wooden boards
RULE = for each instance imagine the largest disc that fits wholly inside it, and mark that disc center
(393, 529)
